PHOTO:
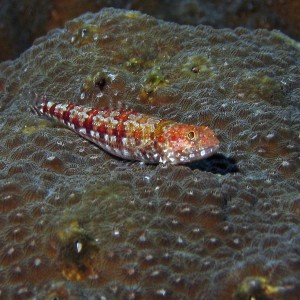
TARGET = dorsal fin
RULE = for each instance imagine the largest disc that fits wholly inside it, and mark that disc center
(114, 105)
(122, 106)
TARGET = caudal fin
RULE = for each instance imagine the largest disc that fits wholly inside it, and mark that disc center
(39, 102)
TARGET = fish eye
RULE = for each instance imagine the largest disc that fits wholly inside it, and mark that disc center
(191, 135)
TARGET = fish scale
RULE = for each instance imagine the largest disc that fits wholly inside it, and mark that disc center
(133, 135)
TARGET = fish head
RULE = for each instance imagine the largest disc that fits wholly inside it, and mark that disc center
(185, 143)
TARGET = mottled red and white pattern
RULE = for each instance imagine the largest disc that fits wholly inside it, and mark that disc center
(135, 136)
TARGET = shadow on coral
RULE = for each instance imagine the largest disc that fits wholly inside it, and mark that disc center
(217, 164)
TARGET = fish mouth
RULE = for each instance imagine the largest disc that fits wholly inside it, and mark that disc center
(194, 155)
(202, 153)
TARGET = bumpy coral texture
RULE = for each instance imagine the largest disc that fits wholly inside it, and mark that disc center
(23, 21)
(77, 223)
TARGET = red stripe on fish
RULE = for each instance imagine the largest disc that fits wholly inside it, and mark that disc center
(135, 136)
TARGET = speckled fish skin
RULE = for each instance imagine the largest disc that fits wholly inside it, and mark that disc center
(135, 136)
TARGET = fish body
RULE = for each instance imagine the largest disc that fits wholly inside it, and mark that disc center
(133, 135)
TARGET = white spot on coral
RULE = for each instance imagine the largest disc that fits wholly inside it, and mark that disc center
(116, 232)
(11, 251)
(149, 257)
(161, 292)
(142, 237)
(285, 163)
(236, 241)
(93, 157)
(213, 240)
(155, 273)
(18, 269)
(174, 221)
(37, 262)
(270, 135)
(112, 76)
(226, 228)
(179, 240)
(79, 247)
(22, 290)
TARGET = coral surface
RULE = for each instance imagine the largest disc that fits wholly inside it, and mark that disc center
(78, 223)
(23, 21)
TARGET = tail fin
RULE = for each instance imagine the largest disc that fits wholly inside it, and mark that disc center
(39, 101)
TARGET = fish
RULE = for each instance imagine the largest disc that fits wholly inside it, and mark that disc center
(132, 135)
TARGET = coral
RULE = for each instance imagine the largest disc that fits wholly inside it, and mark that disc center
(77, 223)
(22, 22)
(258, 288)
